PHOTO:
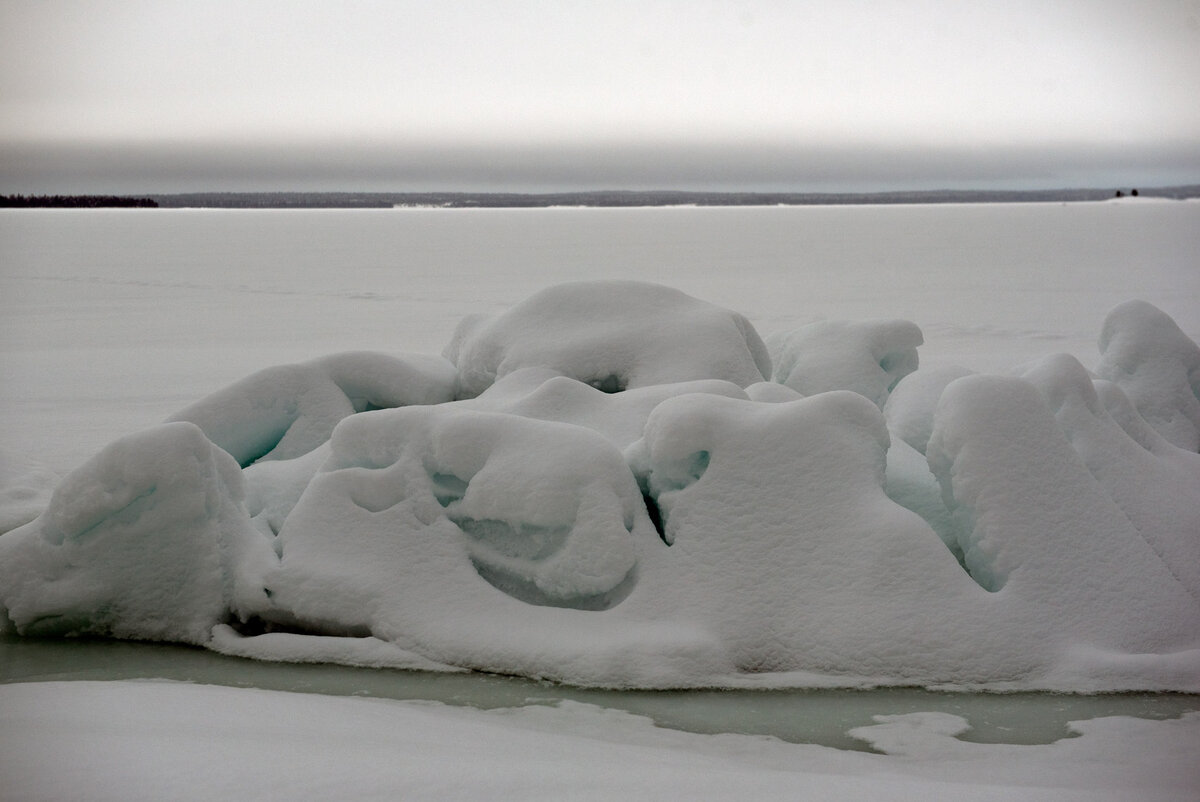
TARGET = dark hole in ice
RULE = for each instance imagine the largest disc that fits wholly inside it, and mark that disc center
(280, 621)
(256, 449)
(447, 488)
(655, 514)
(612, 383)
(58, 625)
(251, 627)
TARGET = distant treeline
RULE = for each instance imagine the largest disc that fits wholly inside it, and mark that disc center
(602, 198)
(510, 200)
(73, 201)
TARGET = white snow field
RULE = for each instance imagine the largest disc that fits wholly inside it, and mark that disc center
(146, 740)
(963, 455)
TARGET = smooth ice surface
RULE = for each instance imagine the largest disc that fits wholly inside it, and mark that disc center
(623, 501)
(112, 320)
(158, 740)
(817, 716)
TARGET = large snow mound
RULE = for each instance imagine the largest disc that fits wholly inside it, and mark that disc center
(288, 410)
(613, 335)
(868, 358)
(148, 540)
(541, 510)
(699, 527)
(910, 405)
(1144, 353)
(620, 417)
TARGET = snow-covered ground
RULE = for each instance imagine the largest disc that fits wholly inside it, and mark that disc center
(154, 741)
(112, 320)
(1032, 526)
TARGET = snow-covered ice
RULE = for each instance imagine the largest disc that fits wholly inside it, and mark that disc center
(613, 336)
(869, 358)
(610, 483)
(149, 539)
(286, 411)
(157, 740)
(606, 505)
(25, 488)
(1144, 353)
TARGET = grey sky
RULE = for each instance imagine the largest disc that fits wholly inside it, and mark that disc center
(159, 96)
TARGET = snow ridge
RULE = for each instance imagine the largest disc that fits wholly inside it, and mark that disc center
(610, 485)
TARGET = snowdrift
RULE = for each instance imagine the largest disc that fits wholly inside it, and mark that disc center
(616, 484)
(613, 335)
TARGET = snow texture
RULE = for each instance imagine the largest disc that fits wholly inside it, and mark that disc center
(288, 410)
(613, 335)
(1144, 353)
(149, 540)
(910, 406)
(868, 358)
(25, 489)
(620, 417)
(619, 499)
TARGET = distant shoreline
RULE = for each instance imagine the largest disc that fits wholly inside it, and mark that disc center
(600, 198)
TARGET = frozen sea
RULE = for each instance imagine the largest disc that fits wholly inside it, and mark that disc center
(111, 320)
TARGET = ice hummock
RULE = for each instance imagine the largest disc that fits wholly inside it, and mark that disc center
(613, 335)
(1145, 353)
(600, 487)
(286, 411)
(869, 358)
(149, 539)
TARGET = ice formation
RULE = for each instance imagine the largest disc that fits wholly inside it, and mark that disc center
(288, 410)
(25, 489)
(599, 487)
(910, 406)
(1145, 354)
(869, 358)
(612, 335)
(149, 539)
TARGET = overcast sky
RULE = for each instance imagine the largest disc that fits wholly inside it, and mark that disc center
(208, 95)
